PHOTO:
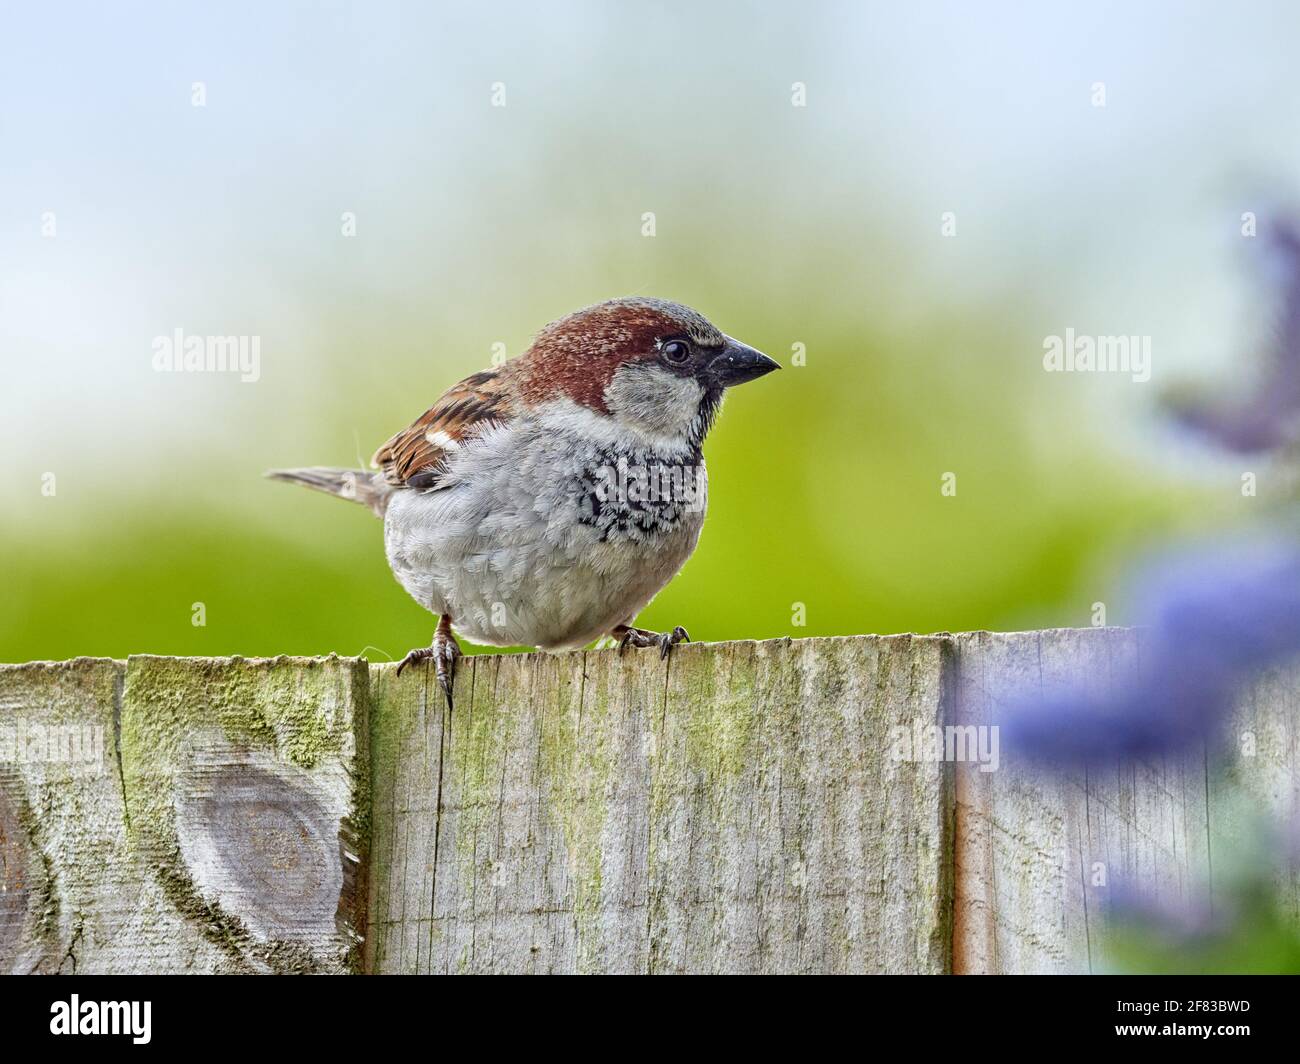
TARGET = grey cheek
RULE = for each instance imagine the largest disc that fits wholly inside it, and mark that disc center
(654, 397)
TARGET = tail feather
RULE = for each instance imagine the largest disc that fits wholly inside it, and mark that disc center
(358, 485)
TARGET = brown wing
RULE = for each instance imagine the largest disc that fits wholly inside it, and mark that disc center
(416, 457)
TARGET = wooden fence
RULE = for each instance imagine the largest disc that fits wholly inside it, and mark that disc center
(740, 807)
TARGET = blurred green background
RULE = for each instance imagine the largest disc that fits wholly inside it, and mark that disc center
(818, 226)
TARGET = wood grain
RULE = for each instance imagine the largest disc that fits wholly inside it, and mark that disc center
(62, 830)
(740, 807)
(170, 815)
(732, 809)
(247, 793)
(1044, 857)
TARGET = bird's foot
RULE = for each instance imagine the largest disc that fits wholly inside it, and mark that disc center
(445, 652)
(416, 656)
(639, 637)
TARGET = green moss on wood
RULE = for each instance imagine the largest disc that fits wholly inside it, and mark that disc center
(305, 711)
(291, 705)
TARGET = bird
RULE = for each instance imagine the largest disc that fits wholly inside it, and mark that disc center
(546, 501)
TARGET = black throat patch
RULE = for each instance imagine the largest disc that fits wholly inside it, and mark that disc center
(639, 495)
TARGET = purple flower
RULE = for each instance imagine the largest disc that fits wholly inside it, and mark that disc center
(1216, 616)
(1269, 417)
(1166, 914)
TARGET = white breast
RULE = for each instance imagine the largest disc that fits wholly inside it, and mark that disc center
(549, 531)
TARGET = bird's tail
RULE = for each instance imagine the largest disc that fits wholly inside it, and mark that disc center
(358, 485)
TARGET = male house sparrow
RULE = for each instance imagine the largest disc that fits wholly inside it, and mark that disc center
(546, 502)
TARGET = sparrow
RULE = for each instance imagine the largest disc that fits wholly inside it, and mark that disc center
(545, 502)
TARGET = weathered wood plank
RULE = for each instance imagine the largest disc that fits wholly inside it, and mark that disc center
(182, 815)
(64, 877)
(247, 805)
(1259, 769)
(1043, 857)
(740, 807)
(732, 809)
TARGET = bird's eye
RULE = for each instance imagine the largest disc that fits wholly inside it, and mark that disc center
(676, 351)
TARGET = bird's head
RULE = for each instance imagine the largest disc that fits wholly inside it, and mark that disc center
(656, 368)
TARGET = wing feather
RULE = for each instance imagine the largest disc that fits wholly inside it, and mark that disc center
(416, 457)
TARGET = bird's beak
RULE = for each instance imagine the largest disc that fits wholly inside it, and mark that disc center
(737, 363)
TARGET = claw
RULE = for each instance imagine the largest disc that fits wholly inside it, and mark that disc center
(445, 651)
(414, 658)
(638, 637)
(445, 666)
(670, 639)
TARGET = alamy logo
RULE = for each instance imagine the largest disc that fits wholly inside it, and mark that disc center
(1078, 353)
(179, 353)
(953, 742)
(634, 484)
(80, 746)
(102, 1017)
